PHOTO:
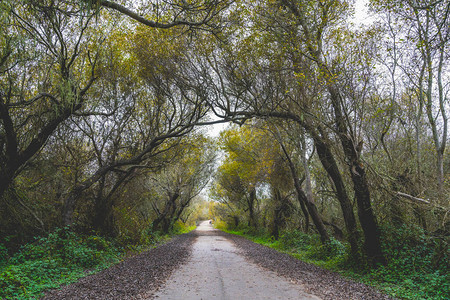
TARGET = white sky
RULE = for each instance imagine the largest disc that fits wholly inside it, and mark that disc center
(362, 16)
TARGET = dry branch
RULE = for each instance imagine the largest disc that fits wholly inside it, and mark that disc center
(412, 198)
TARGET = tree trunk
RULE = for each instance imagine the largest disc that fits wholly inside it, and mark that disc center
(103, 221)
(103, 214)
(332, 169)
(166, 216)
(275, 232)
(5, 183)
(306, 215)
(440, 172)
(251, 212)
(69, 206)
(312, 209)
(372, 243)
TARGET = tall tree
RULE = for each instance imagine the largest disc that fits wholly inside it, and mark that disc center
(425, 43)
(47, 65)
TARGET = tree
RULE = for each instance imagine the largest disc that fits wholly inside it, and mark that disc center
(47, 67)
(242, 172)
(198, 14)
(167, 105)
(297, 83)
(50, 51)
(172, 189)
(305, 199)
(425, 45)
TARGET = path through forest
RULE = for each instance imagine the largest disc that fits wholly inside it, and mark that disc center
(216, 270)
(210, 264)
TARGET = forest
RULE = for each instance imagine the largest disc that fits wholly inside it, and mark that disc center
(333, 148)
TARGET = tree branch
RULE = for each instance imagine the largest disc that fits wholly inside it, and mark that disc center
(407, 196)
(142, 20)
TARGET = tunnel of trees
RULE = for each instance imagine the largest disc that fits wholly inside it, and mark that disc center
(334, 129)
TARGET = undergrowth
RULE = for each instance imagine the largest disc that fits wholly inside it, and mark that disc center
(62, 257)
(417, 268)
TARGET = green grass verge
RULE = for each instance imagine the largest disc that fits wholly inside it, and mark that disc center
(416, 269)
(63, 257)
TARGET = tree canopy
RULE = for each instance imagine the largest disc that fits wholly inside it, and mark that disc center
(335, 128)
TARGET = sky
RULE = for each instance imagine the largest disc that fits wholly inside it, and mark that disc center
(361, 12)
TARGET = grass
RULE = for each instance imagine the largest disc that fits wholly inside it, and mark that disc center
(417, 265)
(63, 257)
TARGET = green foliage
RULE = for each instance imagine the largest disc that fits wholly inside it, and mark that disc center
(220, 224)
(417, 264)
(61, 257)
(64, 256)
(180, 228)
(309, 246)
(3, 254)
(295, 241)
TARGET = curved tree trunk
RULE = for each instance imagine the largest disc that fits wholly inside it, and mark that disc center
(332, 169)
(372, 242)
(301, 196)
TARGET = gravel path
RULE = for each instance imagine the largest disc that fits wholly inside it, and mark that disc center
(221, 266)
(317, 281)
(216, 270)
(135, 278)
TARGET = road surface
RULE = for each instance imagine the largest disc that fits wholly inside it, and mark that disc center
(216, 270)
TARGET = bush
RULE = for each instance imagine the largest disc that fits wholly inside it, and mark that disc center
(180, 227)
(220, 224)
(311, 246)
(296, 241)
(60, 257)
(418, 265)
(332, 249)
(3, 255)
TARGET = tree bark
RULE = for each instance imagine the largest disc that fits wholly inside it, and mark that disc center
(251, 212)
(332, 169)
(275, 232)
(301, 196)
(166, 215)
(372, 242)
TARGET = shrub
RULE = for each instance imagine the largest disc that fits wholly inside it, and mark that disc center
(3, 255)
(60, 257)
(417, 265)
(179, 227)
(330, 250)
(296, 240)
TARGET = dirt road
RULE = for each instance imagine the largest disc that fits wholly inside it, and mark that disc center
(216, 270)
(210, 264)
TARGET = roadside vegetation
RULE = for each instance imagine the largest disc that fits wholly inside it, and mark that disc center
(416, 267)
(64, 256)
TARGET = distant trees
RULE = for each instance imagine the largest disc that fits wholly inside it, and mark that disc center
(176, 185)
(418, 31)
